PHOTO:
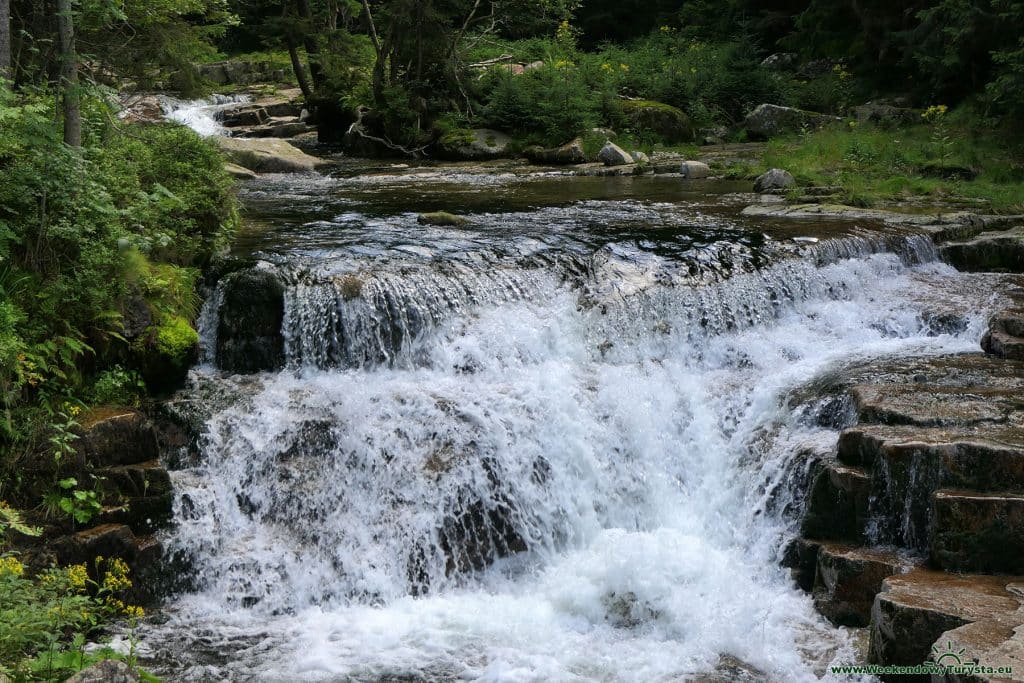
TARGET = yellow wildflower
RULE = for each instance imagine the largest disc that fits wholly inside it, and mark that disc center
(116, 577)
(78, 576)
(624, 67)
(9, 566)
(134, 611)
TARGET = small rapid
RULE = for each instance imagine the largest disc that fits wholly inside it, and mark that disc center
(559, 455)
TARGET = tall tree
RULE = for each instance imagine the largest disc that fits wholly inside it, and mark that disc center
(5, 39)
(70, 94)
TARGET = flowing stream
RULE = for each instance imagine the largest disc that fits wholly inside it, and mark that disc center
(557, 444)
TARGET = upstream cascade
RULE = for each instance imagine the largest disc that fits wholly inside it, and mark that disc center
(558, 456)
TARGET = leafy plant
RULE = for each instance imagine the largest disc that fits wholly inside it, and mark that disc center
(81, 505)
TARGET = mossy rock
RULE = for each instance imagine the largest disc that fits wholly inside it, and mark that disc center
(442, 218)
(249, 337)
(664, 120)
(463, 144)
(164, 354)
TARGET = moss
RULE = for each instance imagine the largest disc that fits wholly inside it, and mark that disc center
(176, 339)
(664, 120)
(457, 137)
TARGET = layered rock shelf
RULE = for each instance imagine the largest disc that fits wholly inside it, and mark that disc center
(915, 526)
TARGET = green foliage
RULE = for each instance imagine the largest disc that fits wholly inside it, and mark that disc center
(81, 232)
(81, 505)
(12, 520)
(46, 619)
(118, 386)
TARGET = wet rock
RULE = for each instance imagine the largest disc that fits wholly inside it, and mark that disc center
(732, 670)
(978, 532)
(639, 157)
(268, 155)
(997, 643)
(106, 540)
(441, 218)
(475, 536)
(913, 610)
(668, 122)
(569, 153)
(848, 578)
(239, 172)
(613, 155)
(116, 436)
(626, 610)
(694, 170)
(774, 179)
(244, 115)
(141, 109)
(107, 671)
(771, 120)
(837, 507)
(473, 145)
(249, 337)
(987, 252)
(801, 557)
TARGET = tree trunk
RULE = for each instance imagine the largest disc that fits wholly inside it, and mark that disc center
(300, 73)
(310, 43)
(5, 40)
(69, 75)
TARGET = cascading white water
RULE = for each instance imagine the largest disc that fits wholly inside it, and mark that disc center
(530, 485)
(201, 115)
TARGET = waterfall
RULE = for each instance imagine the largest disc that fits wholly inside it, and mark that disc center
(201, 115)
(573, 469)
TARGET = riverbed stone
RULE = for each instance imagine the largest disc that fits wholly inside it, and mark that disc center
(848, 578)
(442, 218)
(996, 643)
(239, 172)
(568, 154)
(978, 532)
(268, 155)
(249, 336)
(613, 155)
(730, 669)
(774, 179)
(913, 610)
(694, 170)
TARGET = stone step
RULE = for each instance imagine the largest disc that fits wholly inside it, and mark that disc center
(1003, 344)
(914, 610)
(996, 643)
(113, 436)
(923, 405)
(837, 505)
(985, 458)
(847, 579)
(973, 531)
(136, 480)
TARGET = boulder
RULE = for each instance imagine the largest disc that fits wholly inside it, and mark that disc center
(268, 155)
(441, 218)
(886, 115)
(774, 179)
(244, 115)
(569, 153)
(729, 669)
(613, 155)
(997, 643)
(107, 671)
(772, 120)
(664, 120)
(780, 61)
(249, 336)
(639, 157)
(694, 170)
(473, 145)
(111, 437)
